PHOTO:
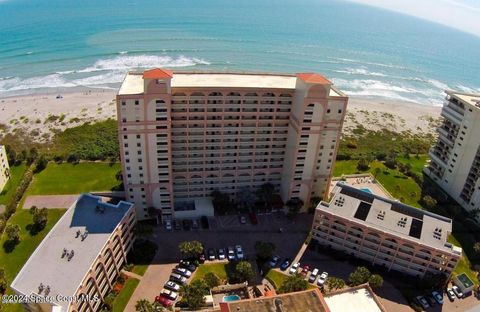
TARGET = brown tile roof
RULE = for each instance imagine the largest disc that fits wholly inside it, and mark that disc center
(313, 78)
(157, 73)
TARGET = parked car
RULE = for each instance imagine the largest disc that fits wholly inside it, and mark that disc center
(243, 220)
(294, 268)
(177, 225)
(239, 252)
(182, 271)
(450, 294)
(177, 278)
(167, 303)
(285, 264)
(195, 225)
(221, 254)
(313, 276)
(168, 225)
(457, 292)
(322, 279)
(204, 222)
(431, 300)
(187, 225)
(172, 286)
(274, 261)
(253, 218)
(437, 296)
(169, 294)
(187, 265)
(423, 302)
(305, 269)
(230, 254)
(211, 254)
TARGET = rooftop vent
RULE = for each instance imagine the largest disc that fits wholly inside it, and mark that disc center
(381, 215)
(41, 287)
(85, 234)
(47, 290)
(402, 222)
(437, 233)
(78, 233)
(70, 255)
(64, 253)
(100, 209)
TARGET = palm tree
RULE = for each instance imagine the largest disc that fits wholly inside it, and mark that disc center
(143, 305)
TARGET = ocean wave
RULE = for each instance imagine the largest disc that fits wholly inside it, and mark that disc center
(347, 60)
(126, 62)
(383, 89)
(359, 71)
(103, 72)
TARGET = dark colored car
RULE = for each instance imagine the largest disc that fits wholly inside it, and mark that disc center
(253, 218)
(431, 301)
(164, 301)
(195, 225)
(177, 225)
(187, 225)
(211, 254)
(204, 222)
(285, 264)
(187, 265)
(221, 254)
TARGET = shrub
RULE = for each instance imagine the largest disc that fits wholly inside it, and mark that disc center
(211, 279)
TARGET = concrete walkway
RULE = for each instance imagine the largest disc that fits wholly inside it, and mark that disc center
(132, 275)
(50, 201)
(151, 284)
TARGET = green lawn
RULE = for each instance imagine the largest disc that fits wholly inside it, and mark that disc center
(464, 265)
(396, 183)
(74, 179)
(219, 269)
(140, 269)
(16, 174)
(13, 261)
(122, 298)
(276, 278)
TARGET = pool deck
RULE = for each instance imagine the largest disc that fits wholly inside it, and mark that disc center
(362, 181)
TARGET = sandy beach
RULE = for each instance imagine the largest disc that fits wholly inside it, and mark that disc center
(42, 114)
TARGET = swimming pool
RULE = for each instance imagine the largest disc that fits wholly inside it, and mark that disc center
(231, 298)
(366, 190)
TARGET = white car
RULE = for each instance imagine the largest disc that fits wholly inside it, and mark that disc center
(313, 276)
(168, 225)
(294, 268)
(322, 279)
(450, 294)
(457, 292)
(175, 277)
(230, 254)
(169, 294)
(172, 286)
(239, 252)
(183, 272)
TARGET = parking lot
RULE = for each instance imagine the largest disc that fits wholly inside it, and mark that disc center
(223, 231)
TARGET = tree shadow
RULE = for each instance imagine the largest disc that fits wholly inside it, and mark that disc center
(34, 229)
(9, 245)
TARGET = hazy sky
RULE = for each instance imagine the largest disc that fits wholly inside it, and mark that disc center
(460, 14)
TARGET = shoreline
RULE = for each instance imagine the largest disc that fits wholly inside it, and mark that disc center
(42, 114)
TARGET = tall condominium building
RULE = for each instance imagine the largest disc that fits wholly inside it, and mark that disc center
(184, 134)
(4, 168)
(385, 232)
(455, 158)
(77, 263)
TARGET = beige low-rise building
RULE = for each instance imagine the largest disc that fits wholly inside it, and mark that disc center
(76, 264)
(184, 134)
(4, 168)
(385, 232)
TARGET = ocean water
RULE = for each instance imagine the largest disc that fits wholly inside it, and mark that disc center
(50, 45)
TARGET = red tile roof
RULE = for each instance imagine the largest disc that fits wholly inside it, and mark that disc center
(157, 73)
(313, 78)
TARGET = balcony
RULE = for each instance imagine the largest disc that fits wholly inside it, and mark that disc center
(439, 161)
(451, 113)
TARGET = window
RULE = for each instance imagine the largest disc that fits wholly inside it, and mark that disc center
(124, 103)
(139, 145)
(125, 137)
(138, 136)
(328, 111)
(137, 102)
(124, 119)
(339, 111)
